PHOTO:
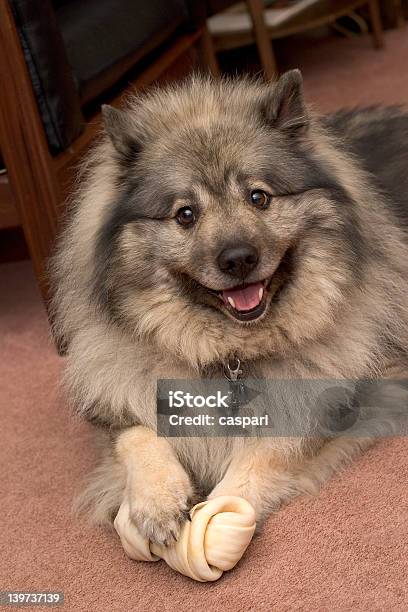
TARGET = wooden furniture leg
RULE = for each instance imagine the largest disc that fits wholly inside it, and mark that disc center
(399, 14)
(25, 150)
(207, 52)
(376, 25)
(263, 42)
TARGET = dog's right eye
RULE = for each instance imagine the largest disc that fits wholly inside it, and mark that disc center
(260, 199)
(185, 216)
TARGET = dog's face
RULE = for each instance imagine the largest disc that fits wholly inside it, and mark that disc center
(223, 214)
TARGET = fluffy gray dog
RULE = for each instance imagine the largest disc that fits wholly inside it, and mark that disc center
(221, 220)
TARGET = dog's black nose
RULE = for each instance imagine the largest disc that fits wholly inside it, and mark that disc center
(238, 260)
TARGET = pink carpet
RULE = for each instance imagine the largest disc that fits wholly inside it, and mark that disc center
(345, 550)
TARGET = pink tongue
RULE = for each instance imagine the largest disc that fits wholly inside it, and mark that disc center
(245, 298)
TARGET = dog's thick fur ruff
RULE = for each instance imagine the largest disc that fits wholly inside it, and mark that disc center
(130, 299)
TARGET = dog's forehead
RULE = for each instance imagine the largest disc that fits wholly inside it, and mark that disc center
(212, 152)
(215, 155)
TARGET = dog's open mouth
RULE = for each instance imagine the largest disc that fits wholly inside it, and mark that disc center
(246, 302)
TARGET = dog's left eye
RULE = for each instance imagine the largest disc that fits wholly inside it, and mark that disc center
(259, 198)
(185, 216)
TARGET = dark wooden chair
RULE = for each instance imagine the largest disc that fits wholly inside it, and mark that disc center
(60, 60)
(234, 29)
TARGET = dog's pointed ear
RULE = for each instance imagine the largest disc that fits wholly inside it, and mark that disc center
(119, 129)
(285, 106)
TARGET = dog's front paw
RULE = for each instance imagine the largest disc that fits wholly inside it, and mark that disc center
(159, 524)
(159, 512)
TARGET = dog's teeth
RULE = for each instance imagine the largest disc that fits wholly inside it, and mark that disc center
(231, 301)
(261, 290)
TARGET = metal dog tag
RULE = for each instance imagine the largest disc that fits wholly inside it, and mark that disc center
(237, 393)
